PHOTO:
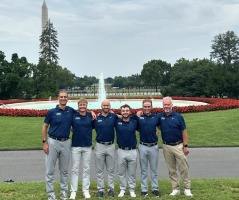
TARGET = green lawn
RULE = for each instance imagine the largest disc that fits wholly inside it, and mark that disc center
(205, 129)
(202, 189)
(211, 129)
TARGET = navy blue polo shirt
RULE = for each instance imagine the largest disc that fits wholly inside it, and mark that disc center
(104, 127)
(59, 121)
(147, 127)
(126, 133)
(82, 130)
(172, 126)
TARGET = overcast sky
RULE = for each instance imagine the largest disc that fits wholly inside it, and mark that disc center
(117, 37)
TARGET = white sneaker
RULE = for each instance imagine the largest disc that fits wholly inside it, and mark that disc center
(132, 194)
(73, 195)
(188, 193)
(86, 194)
(175, 192)
(121, 194)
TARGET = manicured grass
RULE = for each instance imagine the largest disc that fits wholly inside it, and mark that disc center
(212, 129)
(202, 189)
(205, 129)
(20, 132)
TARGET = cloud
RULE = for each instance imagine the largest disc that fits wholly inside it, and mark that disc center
(117, 37)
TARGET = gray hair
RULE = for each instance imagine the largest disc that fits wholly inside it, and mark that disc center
(171, 100)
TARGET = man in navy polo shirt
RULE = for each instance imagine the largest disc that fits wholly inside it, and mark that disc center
(127, 153)
(81, 149)
(148, 148)
(105, 148)
(58, 144)
(175, 146)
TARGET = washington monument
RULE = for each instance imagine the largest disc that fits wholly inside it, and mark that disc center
(44, 14)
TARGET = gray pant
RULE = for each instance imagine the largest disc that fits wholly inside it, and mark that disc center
(148, 155)
(127, 164)
(80, 154)
(104, 156)
(61, 151)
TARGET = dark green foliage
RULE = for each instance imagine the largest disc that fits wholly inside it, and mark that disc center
(49, 44)
(156, 73)
(15, 78)
(189, 78)
(225, 48)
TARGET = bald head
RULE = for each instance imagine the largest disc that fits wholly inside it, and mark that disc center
(105, 102)
(105, 105)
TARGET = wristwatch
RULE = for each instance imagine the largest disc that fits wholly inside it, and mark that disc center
(185, 145)
(43, 141)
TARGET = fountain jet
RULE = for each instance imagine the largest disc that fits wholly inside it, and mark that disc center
(101, 89)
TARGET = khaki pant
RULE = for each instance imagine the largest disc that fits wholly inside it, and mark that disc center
(175, 158)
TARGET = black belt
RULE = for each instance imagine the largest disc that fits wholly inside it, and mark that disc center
(148, 144)
(106, 143)
(173, 143)
(59, 139)
(127, 148)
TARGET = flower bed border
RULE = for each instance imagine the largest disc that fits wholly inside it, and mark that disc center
(213, 105)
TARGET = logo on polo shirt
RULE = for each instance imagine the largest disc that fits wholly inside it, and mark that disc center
(141, 118)
(120, 123)
(163, 118)
(58, 113)
(99, 120)
(77, 118)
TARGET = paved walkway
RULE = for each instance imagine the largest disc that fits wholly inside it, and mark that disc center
(26, 166)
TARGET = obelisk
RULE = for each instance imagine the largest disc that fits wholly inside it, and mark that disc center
(44, 14)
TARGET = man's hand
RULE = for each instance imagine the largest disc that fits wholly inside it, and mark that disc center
(93, 115)
(45, 147)
(186, 151)
(139, 113)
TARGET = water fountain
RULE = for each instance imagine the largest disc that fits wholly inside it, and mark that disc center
(116, 103)
(101, 89)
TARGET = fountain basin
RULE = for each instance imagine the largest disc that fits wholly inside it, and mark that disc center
(94, 104)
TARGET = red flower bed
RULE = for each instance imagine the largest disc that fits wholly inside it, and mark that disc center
(213, 104)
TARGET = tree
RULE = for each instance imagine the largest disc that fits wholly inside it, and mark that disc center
(189, 78)
(155, 73)
(225, 48)
(44, 80)
(65, 78)
(46, 73)
(224, 82)
(15, 78)
(109, 80)
(134, 80)
(49, 44)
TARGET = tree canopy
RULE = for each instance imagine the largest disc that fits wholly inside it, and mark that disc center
(155, 73)
(225, 48)
(49, 44)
